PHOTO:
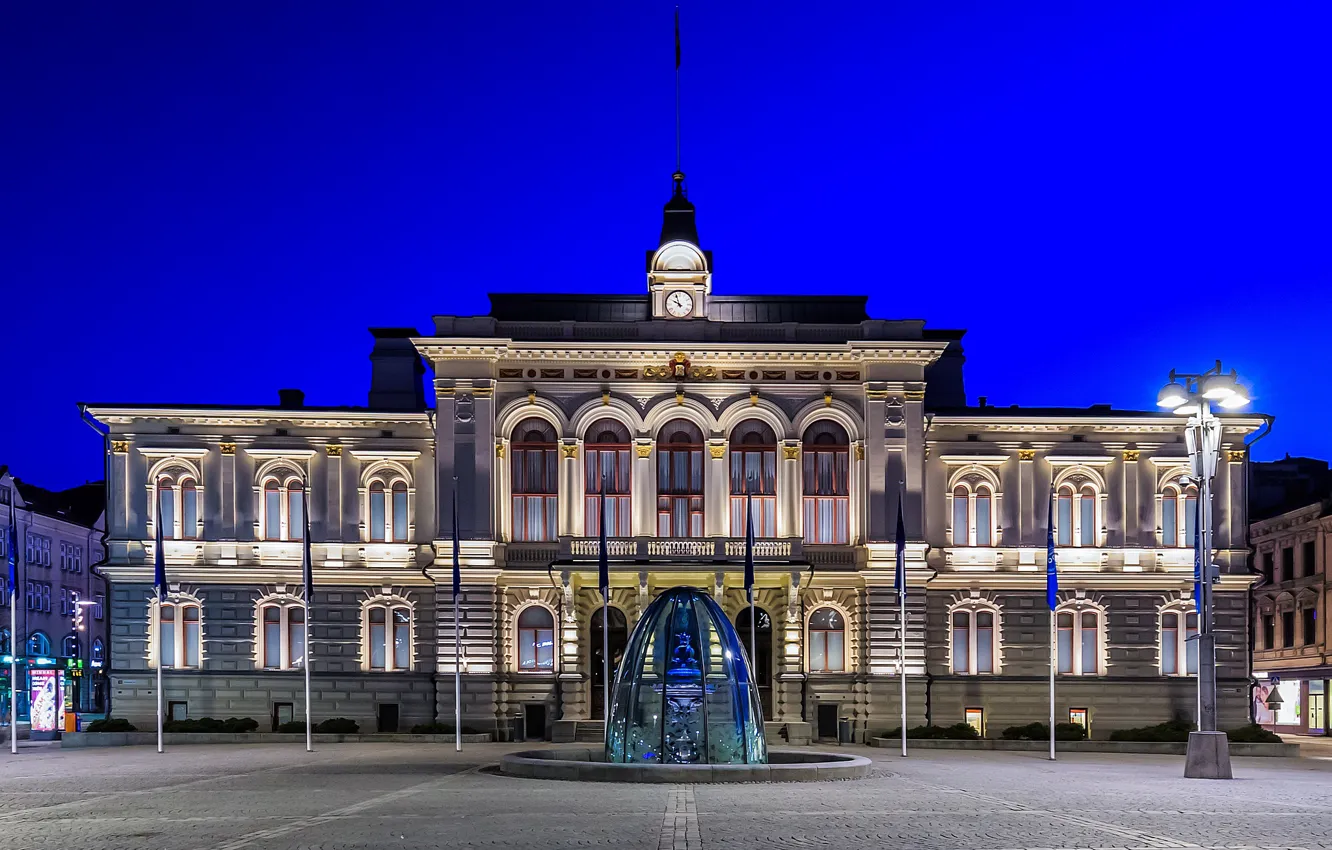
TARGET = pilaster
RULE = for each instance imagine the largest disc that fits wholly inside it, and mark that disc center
(644, 486)
(716, 491)
(789, 489)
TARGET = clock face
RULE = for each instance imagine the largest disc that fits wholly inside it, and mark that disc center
(679, 304)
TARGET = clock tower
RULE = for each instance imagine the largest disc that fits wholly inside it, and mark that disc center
(679, 272)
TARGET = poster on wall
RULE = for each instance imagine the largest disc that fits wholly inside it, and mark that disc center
(46, 702)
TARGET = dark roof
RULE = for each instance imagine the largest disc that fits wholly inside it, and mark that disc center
(81, 505)
(139, 405)
(558, 307)
(1018, 410)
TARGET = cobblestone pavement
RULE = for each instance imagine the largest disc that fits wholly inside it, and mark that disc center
(419, 796)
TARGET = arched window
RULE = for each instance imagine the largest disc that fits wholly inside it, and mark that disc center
(973, 641)
(680, 480)
(39, 644)
(1078, 640)
(754, 471)
(178, 507)
(69, 647)
(282, 635)
(536, 639)
(388, 637)
(181, 635)
(534, 476)
(1179, 517)
(98, 652)
(1179, 654)
(283, 506)
(386, 506)
(826, 481)
(973, 515)
(1076, 518)
(606, 467)
(827, 641)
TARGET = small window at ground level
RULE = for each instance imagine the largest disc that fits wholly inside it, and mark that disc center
(975, 718)
(1078, 716)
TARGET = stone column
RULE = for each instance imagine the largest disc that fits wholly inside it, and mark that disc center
(227, 496)
(483, 490)
(333, 493)
(717, 492)
(1026, 498)
(911, 436)
(445, 420)
(1132, 520)
(571, 488)
(789, 485)
(876, 484)
(644, 485)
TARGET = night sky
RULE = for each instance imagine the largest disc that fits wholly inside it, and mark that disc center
(204, 202)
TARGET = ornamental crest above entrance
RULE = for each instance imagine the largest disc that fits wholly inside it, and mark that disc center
(679, 368)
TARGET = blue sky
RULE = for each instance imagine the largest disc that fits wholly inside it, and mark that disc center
(207, 202)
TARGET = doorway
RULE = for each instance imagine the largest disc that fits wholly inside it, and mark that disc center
(827, 715)
(388, 717)
(534, 722)
(617, 636)
(761, 654)
(283, 712)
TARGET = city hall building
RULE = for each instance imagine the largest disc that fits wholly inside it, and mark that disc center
(673, 401)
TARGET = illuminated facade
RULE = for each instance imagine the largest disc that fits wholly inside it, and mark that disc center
(671, 404)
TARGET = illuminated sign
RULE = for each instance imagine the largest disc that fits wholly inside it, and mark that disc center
(46, 702)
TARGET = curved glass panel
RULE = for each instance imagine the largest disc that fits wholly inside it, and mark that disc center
(685, 692)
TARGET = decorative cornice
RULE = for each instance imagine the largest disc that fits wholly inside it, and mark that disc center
(914, 395)
(385, 454)
(1079, 460)
(191, 452)
(292, 453)
(967, 460)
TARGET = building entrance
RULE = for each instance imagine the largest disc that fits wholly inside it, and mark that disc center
(761, 654)
(617, 638)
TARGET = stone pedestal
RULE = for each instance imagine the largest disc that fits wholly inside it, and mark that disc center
(1208, 756)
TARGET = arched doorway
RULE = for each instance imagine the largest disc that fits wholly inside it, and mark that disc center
(616, 639)
(760, 655)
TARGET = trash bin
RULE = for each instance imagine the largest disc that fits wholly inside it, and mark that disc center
(844, 733)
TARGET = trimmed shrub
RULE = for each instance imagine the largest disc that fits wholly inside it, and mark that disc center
(1040, 732)
(956, 732)
(110, 724)
(444, 729)
(212, 724)
(292, 726)
(1172, 731)
(1253, 734)
(336, 726)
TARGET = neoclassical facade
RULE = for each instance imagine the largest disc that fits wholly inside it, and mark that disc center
(668, 407)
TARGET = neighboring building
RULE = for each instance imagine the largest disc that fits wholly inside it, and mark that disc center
(675, 400)
(1290, 606)
(60, 541)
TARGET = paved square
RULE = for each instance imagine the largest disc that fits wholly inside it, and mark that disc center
(419, 796)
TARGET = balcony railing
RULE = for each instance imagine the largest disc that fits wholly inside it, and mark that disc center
(678, 549)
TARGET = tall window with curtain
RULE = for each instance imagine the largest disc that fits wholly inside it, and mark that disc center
(283, 506)
(282, 635)
(388, 509)
(536, 639)
(973, 641)
(754, 470)
(388, 637)
(166, 507)
(827, 641)
(1178, 519)
(1087, 517)
(534, 480)
(606, 463)
(1076, 517)
(1078, 636)
(182, 637)
(826, 474)
(1179, 654)
(680, 480)
(973, 523)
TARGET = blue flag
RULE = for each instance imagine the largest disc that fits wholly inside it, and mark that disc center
(13, 549)
(603, 562)
(307, 562)
(1197, 555)
(159, 556)
(1051, 572)
(749, 546)
(899, 574)
(457, 544)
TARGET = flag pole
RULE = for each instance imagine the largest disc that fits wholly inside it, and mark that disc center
(309, 596)
(159, 579)
(1051, 601)
(604, 576)
(160, 662)
(749, 579)
(13, 627)
(899, 578)
(457, 627)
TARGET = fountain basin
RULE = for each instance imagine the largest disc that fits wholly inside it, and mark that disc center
(588, 764)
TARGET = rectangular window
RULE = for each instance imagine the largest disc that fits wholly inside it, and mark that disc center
(1169, 520)
(272, 514)
(1078, 717)
(166, 506)
(825, 481)
(189, 512)
(984, 642)
(30, 595)
(1190, 520)
(1310, 626)
(1269, 631)
(378, 634)
(46, 598)
(193, 638)
(1065, 521)
(296, 514)
(1268, 559)
(960, 519)
(78, 559)
(402, 640)
(1088, 530)
(975, 718)
(961, 642)
(99, 606)
(1088, 635)
(166, 631)
(1191, 644)
(1170, 644)
(400, 515)
(1307, 556)
(1064, 633)
(295, 637)
(1287, 629)
(983, 524)
(272, 636)
(1288, 563)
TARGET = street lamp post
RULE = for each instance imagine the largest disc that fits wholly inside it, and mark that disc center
(1192, 395)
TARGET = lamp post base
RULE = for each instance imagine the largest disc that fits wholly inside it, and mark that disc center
(1208, 756)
